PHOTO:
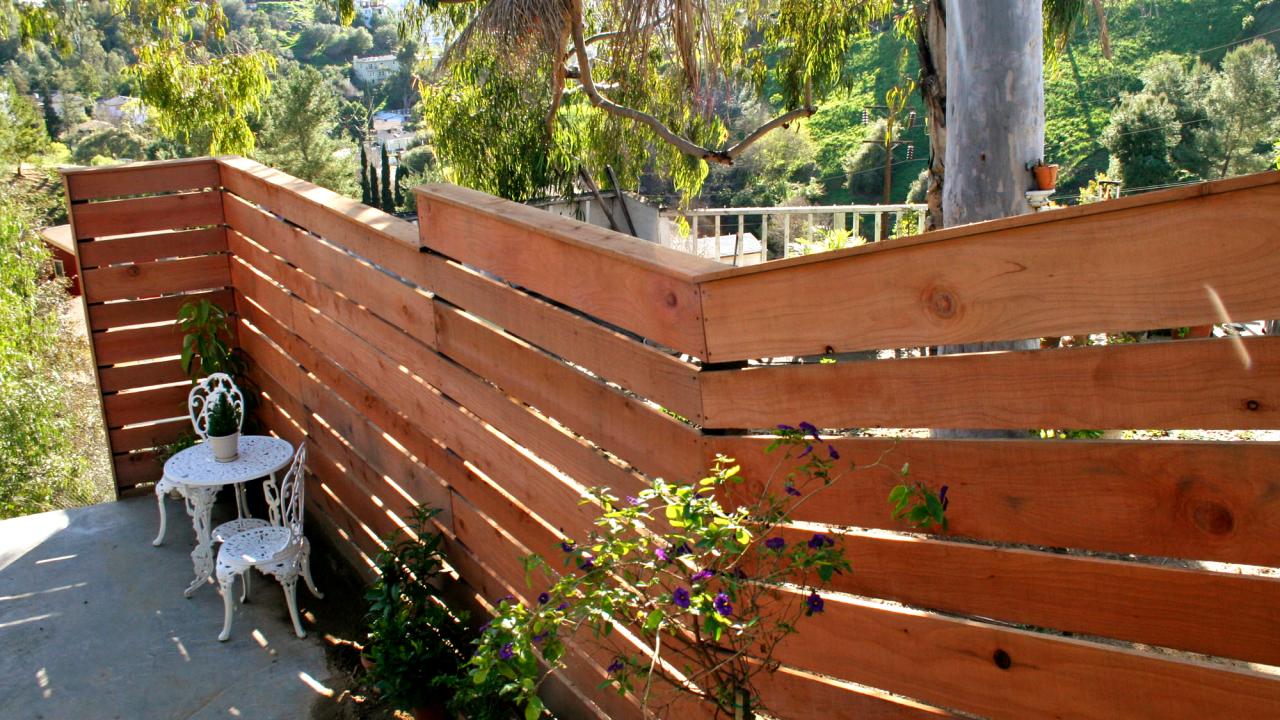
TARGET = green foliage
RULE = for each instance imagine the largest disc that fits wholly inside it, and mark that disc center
(42, 460)
(678, 568)
(111, 142)
(22, 131)
(366, 192)
(300, 133)
(384, 197)
(204, 343)
(168, 450)
(829, 239)
(1140, 137)
(919, 505)
(415, 640)
(224, 418)
(1243, 104)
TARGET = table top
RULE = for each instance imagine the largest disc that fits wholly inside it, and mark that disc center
(260, 455)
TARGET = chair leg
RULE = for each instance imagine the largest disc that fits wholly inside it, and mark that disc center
(227, 584)
(163, 518)
(291, 595)
(306, 573)
(244, 586)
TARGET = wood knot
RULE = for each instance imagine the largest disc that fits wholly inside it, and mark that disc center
(134, 271)
(671, 299)
(1002, 659)
(1252, 405)
(1213, 518)
(942, 303)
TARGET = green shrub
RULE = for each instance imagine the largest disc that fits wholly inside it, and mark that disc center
(224, 419)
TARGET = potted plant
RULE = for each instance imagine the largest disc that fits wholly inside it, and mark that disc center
(224, 429)
(1046, 175)
(413, 653)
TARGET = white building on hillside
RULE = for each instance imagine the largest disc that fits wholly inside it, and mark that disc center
(119, 110)
(374, 69)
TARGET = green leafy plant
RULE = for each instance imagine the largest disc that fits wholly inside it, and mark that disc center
(919, 505)
(831, 239)
(224, 418)
(415, 641)
(709, 591)
(180, 443)
(204, 347)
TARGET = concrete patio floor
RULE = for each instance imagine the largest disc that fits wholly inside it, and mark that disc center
(93, 624)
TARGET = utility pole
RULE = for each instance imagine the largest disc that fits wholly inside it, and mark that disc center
(897, 103)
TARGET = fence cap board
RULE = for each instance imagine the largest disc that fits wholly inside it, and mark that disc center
(570, 231)
(140, 178)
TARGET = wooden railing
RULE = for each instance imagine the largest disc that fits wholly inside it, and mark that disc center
(497, 359)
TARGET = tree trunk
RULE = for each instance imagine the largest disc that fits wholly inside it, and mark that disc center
(931, 48)
(995, 125)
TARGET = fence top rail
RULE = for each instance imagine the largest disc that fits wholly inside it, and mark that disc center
(623, 248)
(71, 170)
(1048, 217)
(802, 209)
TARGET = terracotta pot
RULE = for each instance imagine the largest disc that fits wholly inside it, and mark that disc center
(226, 448)
(1046, 176)
(431, 711)
(1196, 331)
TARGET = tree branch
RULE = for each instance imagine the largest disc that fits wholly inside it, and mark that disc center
(684, 145)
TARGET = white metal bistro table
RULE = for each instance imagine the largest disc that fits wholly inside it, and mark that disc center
(203, 476)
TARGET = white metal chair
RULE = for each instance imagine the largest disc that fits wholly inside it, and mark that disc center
(279, 549)
(199, 402)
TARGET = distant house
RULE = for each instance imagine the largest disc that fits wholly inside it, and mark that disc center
(366, 9)
(724, 248)
(59, 241)
(119, 110)
(374, 69)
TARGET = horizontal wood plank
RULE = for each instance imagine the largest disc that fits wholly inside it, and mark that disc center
(145, 280)
(1212, 383)
(145, 405)
(143, 437)
(141, 178)
(133, 344)
(103, 316)
(152, 246)
(1003, 673)
(601, 273)
(1196, 500)
(623, 425)
(149, 214)
(1224, 614)
(132, 469)
(1114, 268)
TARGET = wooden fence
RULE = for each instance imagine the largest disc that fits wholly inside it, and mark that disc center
(497, 359)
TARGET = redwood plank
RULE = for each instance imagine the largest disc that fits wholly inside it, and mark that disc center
(623, 425)
(156, 278)
(143, 437)
(103, 316)
(149, 214)
(145, 405)
(141, 178)
(144, 343)
(136, 468)
(1212, 383)
(1214, 613)
(954, 663)
(791, 693)
(637, 285)
(1164, 263)
(1195, 500)
(152, 246)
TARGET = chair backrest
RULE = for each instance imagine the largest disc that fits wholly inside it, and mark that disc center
(293, 494)
(201, 398)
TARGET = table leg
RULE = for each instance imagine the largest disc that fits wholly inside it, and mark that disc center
(242, 506)
(200, 507)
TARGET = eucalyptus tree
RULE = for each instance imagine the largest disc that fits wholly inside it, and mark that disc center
(531, 90)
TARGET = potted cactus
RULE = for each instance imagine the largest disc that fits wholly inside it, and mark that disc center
(224, 429)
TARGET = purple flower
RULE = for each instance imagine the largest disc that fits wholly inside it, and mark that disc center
(633, 500)
(702, 575)
(485, 627)
(809, 428)
(681, 598)
(792, 491)
(785, 428)
(543, 598)
(831, 450)
(775, 543)
(818, 540)
(507, 652)
(661, 555)
(808, 449)
(563, 606)
(586, 564)
(683, 549)
(614, 667)
(942, 497)
(812, 604)
(722, 604)
(567, 545)
(537, 639)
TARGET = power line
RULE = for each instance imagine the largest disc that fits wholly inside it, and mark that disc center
(1237, 42)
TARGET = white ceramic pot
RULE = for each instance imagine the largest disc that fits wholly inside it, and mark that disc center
(225, 449)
